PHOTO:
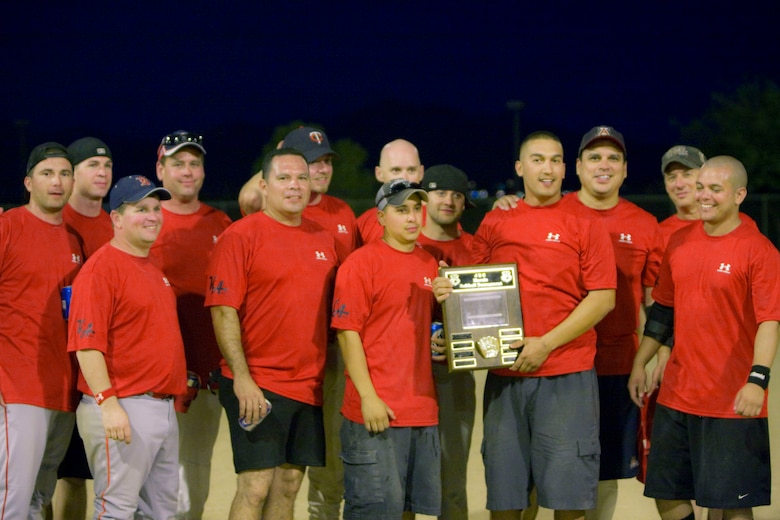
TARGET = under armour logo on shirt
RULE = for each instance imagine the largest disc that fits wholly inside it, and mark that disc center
(320, 255)
(76, 259)
(342, 229)
(625, 238)
(553, 237)
(427, 282)
(724, 268)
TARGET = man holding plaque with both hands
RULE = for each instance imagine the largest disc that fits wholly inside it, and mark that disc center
(541, 414)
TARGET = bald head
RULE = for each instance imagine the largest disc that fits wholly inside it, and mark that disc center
(399, 160)
(732, 168)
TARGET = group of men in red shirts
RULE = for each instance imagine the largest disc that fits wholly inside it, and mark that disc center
(587, 263)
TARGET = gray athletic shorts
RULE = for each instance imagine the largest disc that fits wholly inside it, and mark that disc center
(547, 427)
(391, 472)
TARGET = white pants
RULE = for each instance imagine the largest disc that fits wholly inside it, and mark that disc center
(141, 476)
(33, 441)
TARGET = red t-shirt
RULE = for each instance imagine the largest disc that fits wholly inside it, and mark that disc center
(455, 252)
(182, 253)
(124, 307)
(385, 295)
(280, 279)
(37, 260)
(721, 288)
(671, 224)
(94, 231)
(561, 254)
(336, 217)
(638, 246)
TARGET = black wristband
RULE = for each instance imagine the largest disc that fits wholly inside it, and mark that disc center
(759, 375)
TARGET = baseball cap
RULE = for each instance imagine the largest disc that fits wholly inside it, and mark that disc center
(447, 177)
(86, 147)
(602, 132)
(174, 142)
(683, 154)
(312, 143)
(395, 193)
(134, 188)
(46, 151)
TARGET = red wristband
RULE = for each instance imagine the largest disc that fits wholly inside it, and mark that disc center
(105, 394)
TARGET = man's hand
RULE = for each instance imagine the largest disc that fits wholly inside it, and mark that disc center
(251, 401)
(749, 401)
(116, 423)
(637, 385)
(506, 202)
(534, 352)
(439, 346)
(376, 414)
(442, 288)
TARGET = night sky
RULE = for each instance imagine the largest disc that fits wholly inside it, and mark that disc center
(439, 74)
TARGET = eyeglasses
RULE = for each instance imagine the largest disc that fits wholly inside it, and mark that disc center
(182, 137)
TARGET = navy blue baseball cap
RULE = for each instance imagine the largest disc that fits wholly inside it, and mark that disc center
(133, 188)
(602, 132)
(312, 143)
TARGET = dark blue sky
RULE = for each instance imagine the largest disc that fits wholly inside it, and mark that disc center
(439, 74)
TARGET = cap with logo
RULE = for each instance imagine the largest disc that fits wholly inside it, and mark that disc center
(86, 147)
(133, 188)
(447, 177)
(396, 191)
(686, 155)
(312, 143)
(46, 151)
(174, 142)
(602, 132)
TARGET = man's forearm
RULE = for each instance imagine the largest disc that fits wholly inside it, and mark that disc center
(355, 362)
(227, 329)
(584, 317)
(92, 364)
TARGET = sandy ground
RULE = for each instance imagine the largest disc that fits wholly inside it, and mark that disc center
(631, 503)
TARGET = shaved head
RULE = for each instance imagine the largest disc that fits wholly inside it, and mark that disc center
(734, 169)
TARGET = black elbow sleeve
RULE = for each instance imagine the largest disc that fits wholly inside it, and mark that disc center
(660, 323)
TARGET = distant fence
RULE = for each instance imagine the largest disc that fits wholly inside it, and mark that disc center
(763, 208)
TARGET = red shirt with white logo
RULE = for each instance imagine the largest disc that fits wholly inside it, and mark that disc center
(336, 217)
(280, 279)
(385, 295)
(721, 288)
(638, 246)
(37, 260)
(124, 307)
(561, 254)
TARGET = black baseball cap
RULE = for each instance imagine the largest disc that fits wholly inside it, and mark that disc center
(602, 132)
(312, 143)
(86, 147)
(46, 151)
(447, 177)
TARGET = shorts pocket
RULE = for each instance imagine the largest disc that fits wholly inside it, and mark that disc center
(588, 448)
(362, 480)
